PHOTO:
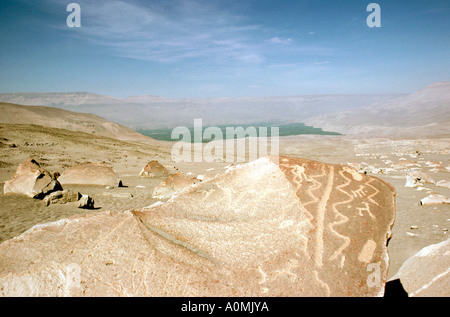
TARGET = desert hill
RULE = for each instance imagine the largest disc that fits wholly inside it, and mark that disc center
(422, 113)
(64, 119)
(58, 149)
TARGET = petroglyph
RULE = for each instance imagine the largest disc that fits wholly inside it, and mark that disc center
(366, 208)
(321, 218)
(341, 219)
(355, 175)
(322, 283)
(300, 228)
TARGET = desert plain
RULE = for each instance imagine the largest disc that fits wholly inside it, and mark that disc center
(390, 159)
(66, 140)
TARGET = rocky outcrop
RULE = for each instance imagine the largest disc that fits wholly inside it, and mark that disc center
(69, 197)
(426, 274)
(434, 199)
(154, 169)
(443, 183)
(297, 228)
(90, 174)
(85, 202)
(62, 197)
(32, 180)
(172, 185)
(415, 178)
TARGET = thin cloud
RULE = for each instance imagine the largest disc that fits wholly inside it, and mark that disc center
(284, 65)
(168, 31)
(277, 40)
(322, 63)
(174, 31)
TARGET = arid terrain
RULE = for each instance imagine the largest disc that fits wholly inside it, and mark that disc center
(224, 149)
(59, 139)
(416, 226)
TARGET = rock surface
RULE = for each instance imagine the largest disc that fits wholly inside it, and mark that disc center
(427, 272)
(443, 183)
(32, 180)
(69, 197)
(90, 174)
(62, 197)
(415, 178)
(154, 169)
(300, 228)
(85, 202)
(434, 199)
(173, 184)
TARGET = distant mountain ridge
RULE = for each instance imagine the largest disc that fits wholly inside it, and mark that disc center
(152, 112)
(422, 113)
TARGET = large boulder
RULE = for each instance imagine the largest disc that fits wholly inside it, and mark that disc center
(426, 274)
(173, 184)
(89, 173)
(297, 228)
(154, 169)
(69, 197)
(62, 197)
(85, 202)
(415, 178)
(434, 199)
(32, 180)
(443, 183)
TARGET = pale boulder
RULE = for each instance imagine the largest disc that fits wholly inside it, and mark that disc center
(32, 180)
(172, 185)
(69, 197)
(154, 169)
(415, 178)
(434, 199)
(62, 197)
(443, 183)
(427, 273)
(297, 228)
(85, 202)
(89, 173)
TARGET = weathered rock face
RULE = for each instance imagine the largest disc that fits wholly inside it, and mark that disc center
(443, 183)
(173, 184)
(90, 174)
(69, 197)
(415, 178)
(427, 272)
(32, 180)
(85, 202)
(62, 197)
(434, 199)
(300, 228)
(154, 169)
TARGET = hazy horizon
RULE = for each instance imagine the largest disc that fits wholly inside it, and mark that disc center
(47, 93)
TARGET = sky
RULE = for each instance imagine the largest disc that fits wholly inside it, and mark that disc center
(223, 48)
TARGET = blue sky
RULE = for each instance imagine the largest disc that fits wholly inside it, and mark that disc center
(226, 48)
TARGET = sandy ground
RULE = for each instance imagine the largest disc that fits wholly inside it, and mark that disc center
(415, 227)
